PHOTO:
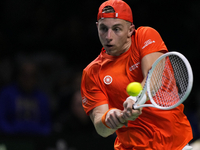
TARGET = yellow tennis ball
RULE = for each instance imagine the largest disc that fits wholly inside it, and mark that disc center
(134, 88)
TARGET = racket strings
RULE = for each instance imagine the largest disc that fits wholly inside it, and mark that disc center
(169, 81)
(180, 74)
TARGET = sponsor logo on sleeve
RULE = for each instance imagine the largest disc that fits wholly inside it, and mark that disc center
(84, 100)
(148, 42)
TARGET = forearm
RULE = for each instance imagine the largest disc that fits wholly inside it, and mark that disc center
(111, 121)
(101, 128)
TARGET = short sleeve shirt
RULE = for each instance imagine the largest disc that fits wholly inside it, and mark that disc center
(104, 81)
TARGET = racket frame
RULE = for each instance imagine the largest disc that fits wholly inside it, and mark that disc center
(146, 89)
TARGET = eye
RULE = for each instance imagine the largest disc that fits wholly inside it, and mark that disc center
(116, 29)
(103, 28)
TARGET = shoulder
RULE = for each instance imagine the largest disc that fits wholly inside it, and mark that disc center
(144, 34)
(93, 66)
(145, 30)
(148, 40)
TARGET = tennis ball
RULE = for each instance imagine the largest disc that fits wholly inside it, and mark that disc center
(134, 88)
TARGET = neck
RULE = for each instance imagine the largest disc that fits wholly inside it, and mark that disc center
(126, 46)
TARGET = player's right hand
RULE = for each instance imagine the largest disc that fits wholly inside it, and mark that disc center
(115, 119)
(129, 113)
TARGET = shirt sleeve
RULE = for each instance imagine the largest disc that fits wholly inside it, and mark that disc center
(149, 41)
(92, 93)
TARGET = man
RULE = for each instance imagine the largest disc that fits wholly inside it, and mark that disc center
(126, 56)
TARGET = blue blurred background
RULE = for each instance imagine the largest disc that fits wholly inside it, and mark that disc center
(44, 46)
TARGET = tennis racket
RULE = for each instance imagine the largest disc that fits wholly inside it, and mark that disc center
(168, 83)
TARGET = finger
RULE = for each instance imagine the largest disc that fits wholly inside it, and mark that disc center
(131, 115)
(137, 111)
(125, 104)
(140, 111)
(119, 119)
(136, 114)
(123, 120)
(128, 103)
(126, 123)
(110, 123)
(127, 114)
(113, 121)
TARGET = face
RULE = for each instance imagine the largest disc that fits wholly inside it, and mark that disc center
(115, 35)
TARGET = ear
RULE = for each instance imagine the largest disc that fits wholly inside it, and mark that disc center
(131, 30)
(97, 23)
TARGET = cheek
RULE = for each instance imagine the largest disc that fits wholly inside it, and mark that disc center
(101, 37)
(122, 39)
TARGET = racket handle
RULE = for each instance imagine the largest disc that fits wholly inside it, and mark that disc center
(141, 102)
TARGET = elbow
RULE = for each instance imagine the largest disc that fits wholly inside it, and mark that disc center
(103, 134)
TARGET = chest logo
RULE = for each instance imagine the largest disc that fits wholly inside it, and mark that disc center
(107, 79)
(133, 67)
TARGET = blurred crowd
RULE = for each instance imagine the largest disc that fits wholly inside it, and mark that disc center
(40, 105)
(44, 46)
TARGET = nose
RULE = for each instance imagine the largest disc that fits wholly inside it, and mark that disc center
(109, 35)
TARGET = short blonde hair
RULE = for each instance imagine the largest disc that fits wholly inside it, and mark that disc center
(108, 9)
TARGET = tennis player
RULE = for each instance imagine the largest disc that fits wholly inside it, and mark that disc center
(126, 56)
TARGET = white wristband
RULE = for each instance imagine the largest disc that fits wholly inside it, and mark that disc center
(134, 98)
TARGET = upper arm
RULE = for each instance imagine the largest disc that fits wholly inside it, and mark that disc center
(147, 62)
(92, 93)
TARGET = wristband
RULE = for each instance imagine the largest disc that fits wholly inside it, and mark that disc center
(134, 98)
(103, 118)
(142, 101)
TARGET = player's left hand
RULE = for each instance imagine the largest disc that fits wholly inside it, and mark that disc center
(129, 113)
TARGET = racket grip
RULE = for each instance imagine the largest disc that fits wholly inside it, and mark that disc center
(141, 102)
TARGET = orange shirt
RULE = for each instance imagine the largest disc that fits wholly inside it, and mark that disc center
(104, 81)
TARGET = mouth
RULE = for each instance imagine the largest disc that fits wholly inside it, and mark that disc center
(110, 49)
(109, 46)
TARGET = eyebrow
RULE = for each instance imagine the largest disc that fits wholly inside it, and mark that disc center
(115, 25)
